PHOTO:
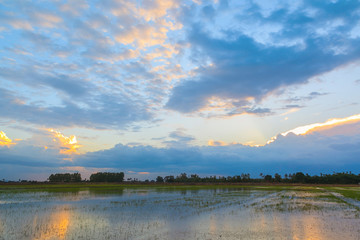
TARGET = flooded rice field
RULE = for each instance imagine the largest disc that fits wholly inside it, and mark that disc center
(179, 213)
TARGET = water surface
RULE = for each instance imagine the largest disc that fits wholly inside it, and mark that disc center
(171, 213)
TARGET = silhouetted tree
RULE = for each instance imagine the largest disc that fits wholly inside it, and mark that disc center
(107, 177)
(159, 179)
(268, 178)
(277, 177)
(298, 177)
(169, 179)
(65, 177)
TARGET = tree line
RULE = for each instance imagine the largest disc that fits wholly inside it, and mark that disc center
(299, 177)
(95, 177)
(65, 177)
(107, 177)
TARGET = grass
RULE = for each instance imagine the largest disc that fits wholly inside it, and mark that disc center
(348, 192)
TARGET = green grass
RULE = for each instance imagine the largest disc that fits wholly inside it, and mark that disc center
(349, 192)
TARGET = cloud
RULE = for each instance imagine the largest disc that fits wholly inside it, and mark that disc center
(216, 143)
(316, 127)
(74, 7)
(243, 66)
(179, 138)
(47, 20)
(103, 112)
(113, 64)
(68, 145)
(337, 126)
(309, 97)
(321, 150)
(37, 157)
(4, 140)
(313, 153)
(154, 9)
(309, 153)
(64, 83)
(77, 73)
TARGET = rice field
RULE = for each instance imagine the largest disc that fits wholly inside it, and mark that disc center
(182, 212)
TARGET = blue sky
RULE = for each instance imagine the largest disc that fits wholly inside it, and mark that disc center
(162, 87)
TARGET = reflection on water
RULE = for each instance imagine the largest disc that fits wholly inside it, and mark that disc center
(155, 213)
(53, 228)
(307, 227)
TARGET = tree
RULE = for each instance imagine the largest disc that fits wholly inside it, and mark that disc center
(299, 177)
(268, 178)
(182, 177)
(159, 179)
(65, 177)
(107, 177)
(169, 179)
(245, 177)
(277, 177)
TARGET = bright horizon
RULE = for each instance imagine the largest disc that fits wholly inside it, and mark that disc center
(163, 87)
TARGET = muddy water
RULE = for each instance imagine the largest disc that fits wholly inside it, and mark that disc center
(155, 213)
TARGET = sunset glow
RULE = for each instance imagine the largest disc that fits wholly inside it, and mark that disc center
(329, 123)
(68, 145)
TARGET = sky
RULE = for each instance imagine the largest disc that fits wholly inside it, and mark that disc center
(156, 87)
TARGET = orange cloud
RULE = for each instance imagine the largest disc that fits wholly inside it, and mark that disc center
(156, 21)
(47, 20)
(156, 9)
(325, 126)
(322, 126)
(4, 140)
(216, 143)
(144, 35)
(222, 143)
(68, 145)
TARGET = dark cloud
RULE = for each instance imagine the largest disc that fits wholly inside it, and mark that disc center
(244, 67)
(291, 153)
(312, 153)
(346, 147)
(104, 111)
(293, 106)
(259, 111)
(142, 157)
(181, 136)
(72, 86)
(179, 139)
(25, 154)
(309, 97)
